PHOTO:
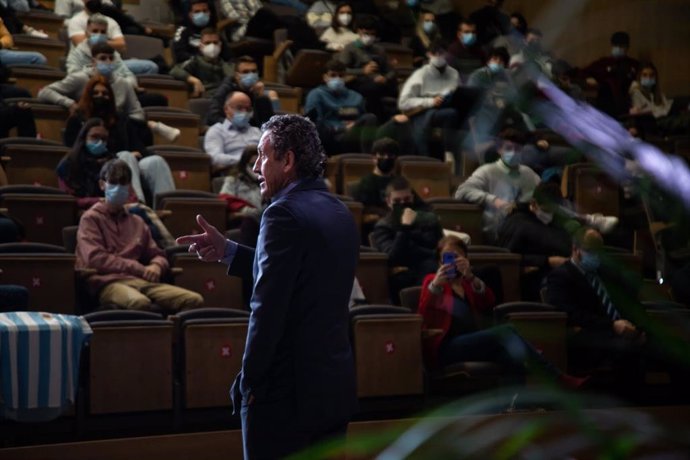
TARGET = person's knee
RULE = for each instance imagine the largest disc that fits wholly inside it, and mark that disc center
(137, 303)
(40, 59)
(191, 300)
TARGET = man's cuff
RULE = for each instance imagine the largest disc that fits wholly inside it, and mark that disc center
(230, 251)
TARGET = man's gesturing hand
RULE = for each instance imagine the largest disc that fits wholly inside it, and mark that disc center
(208, 246)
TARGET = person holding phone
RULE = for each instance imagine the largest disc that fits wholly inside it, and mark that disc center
(456, 307)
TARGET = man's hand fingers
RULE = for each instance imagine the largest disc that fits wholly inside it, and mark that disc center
(189, 239)
(204, 224)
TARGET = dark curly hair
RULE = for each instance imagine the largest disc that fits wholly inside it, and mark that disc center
(297, 134)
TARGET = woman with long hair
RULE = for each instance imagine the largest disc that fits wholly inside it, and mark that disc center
(456, 306)
(340, 33)
(79, 170)
(426, 32)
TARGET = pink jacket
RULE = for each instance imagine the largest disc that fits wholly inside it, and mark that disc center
(118, 246)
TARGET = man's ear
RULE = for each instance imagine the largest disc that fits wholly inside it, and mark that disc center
(290, 161)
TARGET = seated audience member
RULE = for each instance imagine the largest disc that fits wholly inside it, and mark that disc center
(499, 186)
(652, 107)
(367, 66)
(514, 40)
(491, 21)
(562, 73)
(426, 33)
(204, 71)
(9, 56)
(465, 55)
(446, 17)
(77, 31)
(601, 304)
(459, 305)
(396, 20)
(16, 115)
(541, 234)
(69, 8)
(340, 33)
(239, 13)
(246, 79)
(494, 73)
(119, 246)
(339, 113)
(533, 53)
(408, 235)
(398, 128)
(320, 14)
(371, 189)
(425, 99)
(78, 171)
(612, 75)
(226, 141)
(201, 15)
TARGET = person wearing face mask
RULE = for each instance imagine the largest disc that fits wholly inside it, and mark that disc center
(226, 141)
(367, 68)
(464, 54)
(340, 33)
(601, 301)
(246, 79)
(612, 75)
(119, 247)
(77, 26)
(493, 74)
(499, 186)
(407, 234)
(201, 15)
(540, 234)
(425, 98)
(205, 71)
(426, 33)
(339, 113)
(654, 113)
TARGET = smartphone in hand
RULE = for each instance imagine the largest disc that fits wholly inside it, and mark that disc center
(449, 258)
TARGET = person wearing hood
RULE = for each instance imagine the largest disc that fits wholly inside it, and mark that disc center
(205, 71)
(339, 113)
(425, 98)
(119, 246)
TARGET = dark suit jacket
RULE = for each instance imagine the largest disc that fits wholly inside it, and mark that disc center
(303, 269)
(568, 289)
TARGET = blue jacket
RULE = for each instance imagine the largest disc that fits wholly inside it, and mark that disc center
(328, 109)
(298, 344)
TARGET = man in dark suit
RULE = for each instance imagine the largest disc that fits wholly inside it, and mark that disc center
(297, 384)
(601, 305)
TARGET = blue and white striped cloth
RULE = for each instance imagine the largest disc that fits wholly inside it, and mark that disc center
(39, 363)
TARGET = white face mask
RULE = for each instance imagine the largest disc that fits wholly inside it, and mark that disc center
(367, 39)
(543, 216)
(344, 19)
(437, 61)
(211, 50)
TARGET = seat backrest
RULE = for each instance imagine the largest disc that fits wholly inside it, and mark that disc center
(34, 77)
(33, 163)
(174, 90)
(43, 215)
(352, 170)
(142, 47)
(372, 273)
(409, 297)
(180, 118)
(210, 280)
(508, 265)
(124, 378)
(388, 353)
(308, 68)
(182, 220)
(69, 238)
(190, 170)
(460, 217)
(429, 179)
(199, 106)
(356, 208)
(596, 192)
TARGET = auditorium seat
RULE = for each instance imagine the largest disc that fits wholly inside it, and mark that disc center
(388, 351)
(352, 169)
(290, 97)
(356, 208)
(29, 161)
(208, 279)
(54, 50)
(184, 205)
(459, 217)
(190, 167)
(508, 265)
(43, 211)
(130, 366)
(47, 21)
(210, 344)
(180, 118)
(34, 77)
(175, 91)
(46, 270)
(334, 169)
(372, 274)
(307, 68)
(429, 179)
(50, 118)
(409, 298)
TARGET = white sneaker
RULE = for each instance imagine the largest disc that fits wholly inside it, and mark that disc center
(601, 222)
(35, 32)
(168, 133)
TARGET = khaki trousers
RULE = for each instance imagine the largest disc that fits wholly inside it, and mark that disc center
(139, 294)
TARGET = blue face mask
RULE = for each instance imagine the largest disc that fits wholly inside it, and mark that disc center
(412, 3)
(648, 82)
(335, 84)
(95, 39)
(495, 67)
(468, 39)
(247, 80)
(97, 148)
(201, 19)
(428, 26)
(105, 68)
(510, 158)
(116, 194)
(589, 262)
(617, 51)
(240, 120)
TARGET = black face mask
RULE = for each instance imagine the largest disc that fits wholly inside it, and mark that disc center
(385, 165)
(100, 103)
(398, 209)
(94, 6)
